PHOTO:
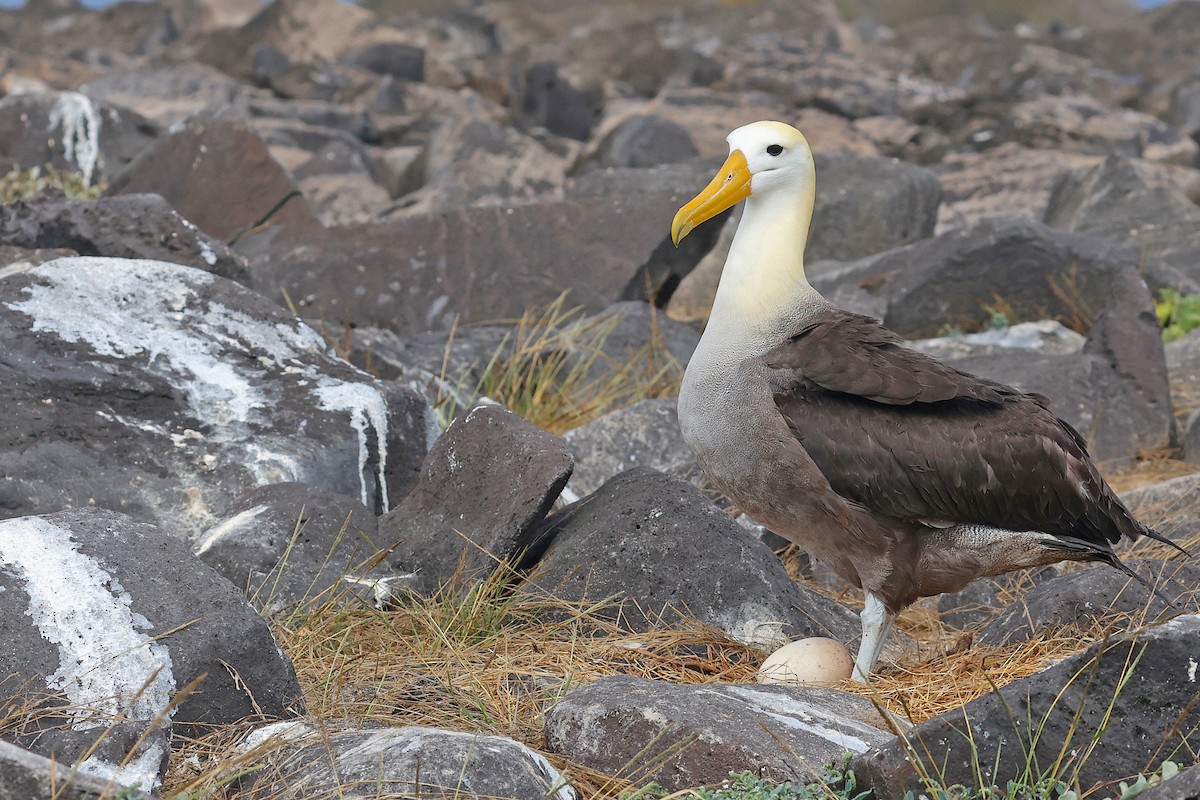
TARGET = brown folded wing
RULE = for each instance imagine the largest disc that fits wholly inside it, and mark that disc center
(908, 437)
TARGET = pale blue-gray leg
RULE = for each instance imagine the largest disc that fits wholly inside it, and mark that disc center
(876, 622)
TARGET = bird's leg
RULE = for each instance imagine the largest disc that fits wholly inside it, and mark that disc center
(876, 622)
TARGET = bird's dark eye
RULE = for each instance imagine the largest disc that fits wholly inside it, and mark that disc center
(775, 149)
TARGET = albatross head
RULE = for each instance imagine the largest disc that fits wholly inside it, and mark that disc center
(766, 160)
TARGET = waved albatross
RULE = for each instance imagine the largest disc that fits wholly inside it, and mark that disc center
(905, 476)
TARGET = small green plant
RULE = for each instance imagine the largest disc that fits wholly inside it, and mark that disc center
(1177, 313)
(1045, 789)
(1168, 770)
(833, 783)
(21, 184)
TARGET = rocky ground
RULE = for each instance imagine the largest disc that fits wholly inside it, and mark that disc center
(340, 456)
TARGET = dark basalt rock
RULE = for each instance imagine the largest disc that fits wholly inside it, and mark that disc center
(404, 62)
(106, 619)
(686, 736)
(645, 141)
(1129, 702)
(411, 762)
(485, 486)
(29, 776)
(129, 226)
(1120, 201)
(489, 263)
(548, 100)
(659, 545)
(166, 392)
(287, 543)
(645, 434)
(1098, 595)
(70, 131)
(253, 189)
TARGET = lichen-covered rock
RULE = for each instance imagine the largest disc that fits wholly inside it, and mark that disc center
(105, 620)
(166, 392)
(411, 762)
(685, 736)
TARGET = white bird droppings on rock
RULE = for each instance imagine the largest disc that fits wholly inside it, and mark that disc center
(366, 407)
(107, 660)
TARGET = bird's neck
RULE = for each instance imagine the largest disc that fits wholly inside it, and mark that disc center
(763, 289)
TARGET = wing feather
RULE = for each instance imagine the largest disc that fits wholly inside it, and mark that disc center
(909, 437)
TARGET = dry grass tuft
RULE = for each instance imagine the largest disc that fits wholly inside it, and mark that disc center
(1148, 468)
(555, 373)
(484, 661)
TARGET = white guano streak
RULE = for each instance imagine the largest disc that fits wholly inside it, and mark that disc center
(108, 666)
(366, 406)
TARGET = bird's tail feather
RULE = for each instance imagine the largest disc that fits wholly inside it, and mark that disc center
(1158, 537)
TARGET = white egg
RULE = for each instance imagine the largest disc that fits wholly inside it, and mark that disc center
(815, 661)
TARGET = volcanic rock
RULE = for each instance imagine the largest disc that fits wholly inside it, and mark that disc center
(1131, 700)
(166, 392)
(685, 736)
(288, 543)
(109, 619)
(252, 191)
(27, 775)
(69, 131)
(656, 543)
(129, 226)
(412, 762)
(1098, 595)
(485, 486)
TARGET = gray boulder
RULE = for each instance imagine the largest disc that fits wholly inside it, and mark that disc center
(29, 776)
(658, 544)
(1128, 202)
(289, 543)
(1184, 786)
(1183, 365)
(645, 434)
(69, 131)
(485, 486)
(1124, 703)
(165, 93)
(166, 392)
(107, 619)
(1006, 180)
(644, 140)
(1095, 596)
(130, 226)
(476, 161)
(1171, 507)
(686, 736)
(253, 189)
(487, 263)
(412, 762)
